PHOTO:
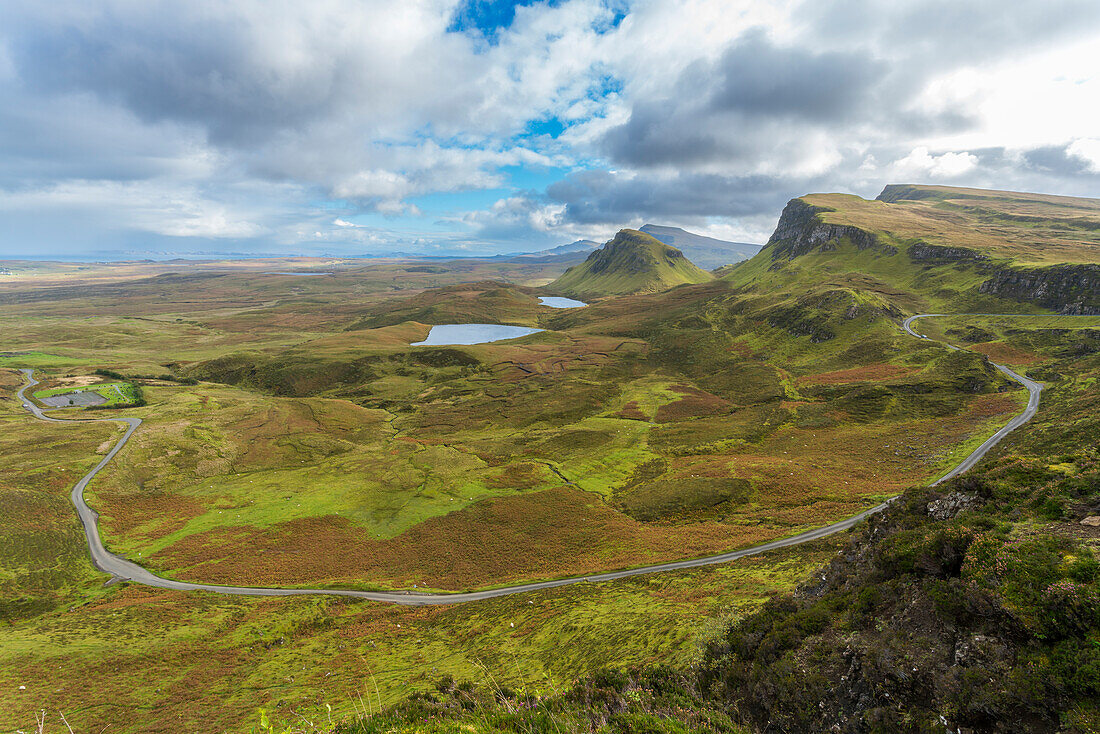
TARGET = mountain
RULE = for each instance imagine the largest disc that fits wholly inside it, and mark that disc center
(706, 252)
(925, 248)
(632, 262)
(572, 247)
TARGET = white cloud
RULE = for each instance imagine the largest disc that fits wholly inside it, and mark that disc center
(921, 163)
(208, 119)
(1088, 150)
(160, 208)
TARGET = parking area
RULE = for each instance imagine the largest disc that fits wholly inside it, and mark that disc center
(79, 399)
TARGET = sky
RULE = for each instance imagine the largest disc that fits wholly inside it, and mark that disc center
(140, 128)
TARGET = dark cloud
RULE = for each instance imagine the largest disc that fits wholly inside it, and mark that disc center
(212, 119)
(1059, 161)
(760, 100)
(602, 197)
(187, 70)
(757, 78)
(245, 72)
(855, 70)
(736, 108)
(934, 34)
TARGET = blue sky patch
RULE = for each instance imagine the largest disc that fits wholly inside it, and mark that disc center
(488, 17)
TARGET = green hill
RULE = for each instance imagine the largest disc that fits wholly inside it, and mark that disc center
(937, 248)
(632, 262)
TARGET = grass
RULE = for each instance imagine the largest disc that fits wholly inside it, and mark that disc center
(632, 262)
(319, 448)
(183, 652)
(43, 561)
(116, 393)
(1027, 228)
(225, 485)
(383, 459)
(38, 360)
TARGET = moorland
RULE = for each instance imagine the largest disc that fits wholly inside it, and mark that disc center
(292, 437)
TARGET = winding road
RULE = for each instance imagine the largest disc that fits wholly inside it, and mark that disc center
(123, 569)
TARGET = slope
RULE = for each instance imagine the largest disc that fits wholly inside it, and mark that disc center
(937, 248)
(632, 262)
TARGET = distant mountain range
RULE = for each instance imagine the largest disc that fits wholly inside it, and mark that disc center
(706, 252)
(578, 246)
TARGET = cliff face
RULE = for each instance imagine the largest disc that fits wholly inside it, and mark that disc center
(801, 231)
(922, 252)
(1068, 289)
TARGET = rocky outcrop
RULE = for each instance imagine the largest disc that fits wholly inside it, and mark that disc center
(947, 507)
(922, 252)
(1068, 289)
(801, 230)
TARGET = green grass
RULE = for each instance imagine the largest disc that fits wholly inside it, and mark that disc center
(632, 262)
(201, 660)
(345, 457)
(39, 360)
(893, 279)
(1027, 228)
(43, 561)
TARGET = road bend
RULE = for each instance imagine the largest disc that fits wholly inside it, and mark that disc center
(125, 570)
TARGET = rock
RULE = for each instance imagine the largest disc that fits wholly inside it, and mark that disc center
(1092, 521)
(1070, 289)
(980, 650)
(951, 505)
(800, 230)
(924, 252)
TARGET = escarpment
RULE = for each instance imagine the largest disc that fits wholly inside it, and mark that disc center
(904, 250)
(801, 230)
(1068, 289)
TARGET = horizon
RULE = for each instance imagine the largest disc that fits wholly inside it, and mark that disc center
(470, 128)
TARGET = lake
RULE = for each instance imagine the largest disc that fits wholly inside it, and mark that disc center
(559, 302)
(448, 334)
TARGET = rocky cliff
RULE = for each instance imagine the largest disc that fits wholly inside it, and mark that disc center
(1068, 289)
(801, 230)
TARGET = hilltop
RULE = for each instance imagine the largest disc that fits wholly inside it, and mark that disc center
(632, 262)
(927, 248)
(706, 252)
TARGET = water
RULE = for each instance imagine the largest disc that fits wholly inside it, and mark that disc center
(300, 273)
(473, 334)
(559, 302)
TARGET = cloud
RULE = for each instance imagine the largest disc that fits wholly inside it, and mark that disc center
(266, 125)
(604, 197)
(1086, 150)
(739, 109)
(920, 164)
(165, 209)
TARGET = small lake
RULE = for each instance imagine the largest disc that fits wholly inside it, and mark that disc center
(448, 334)
(301, 273)
(559, 302)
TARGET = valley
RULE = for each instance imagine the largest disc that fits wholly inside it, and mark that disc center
(307, 435)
